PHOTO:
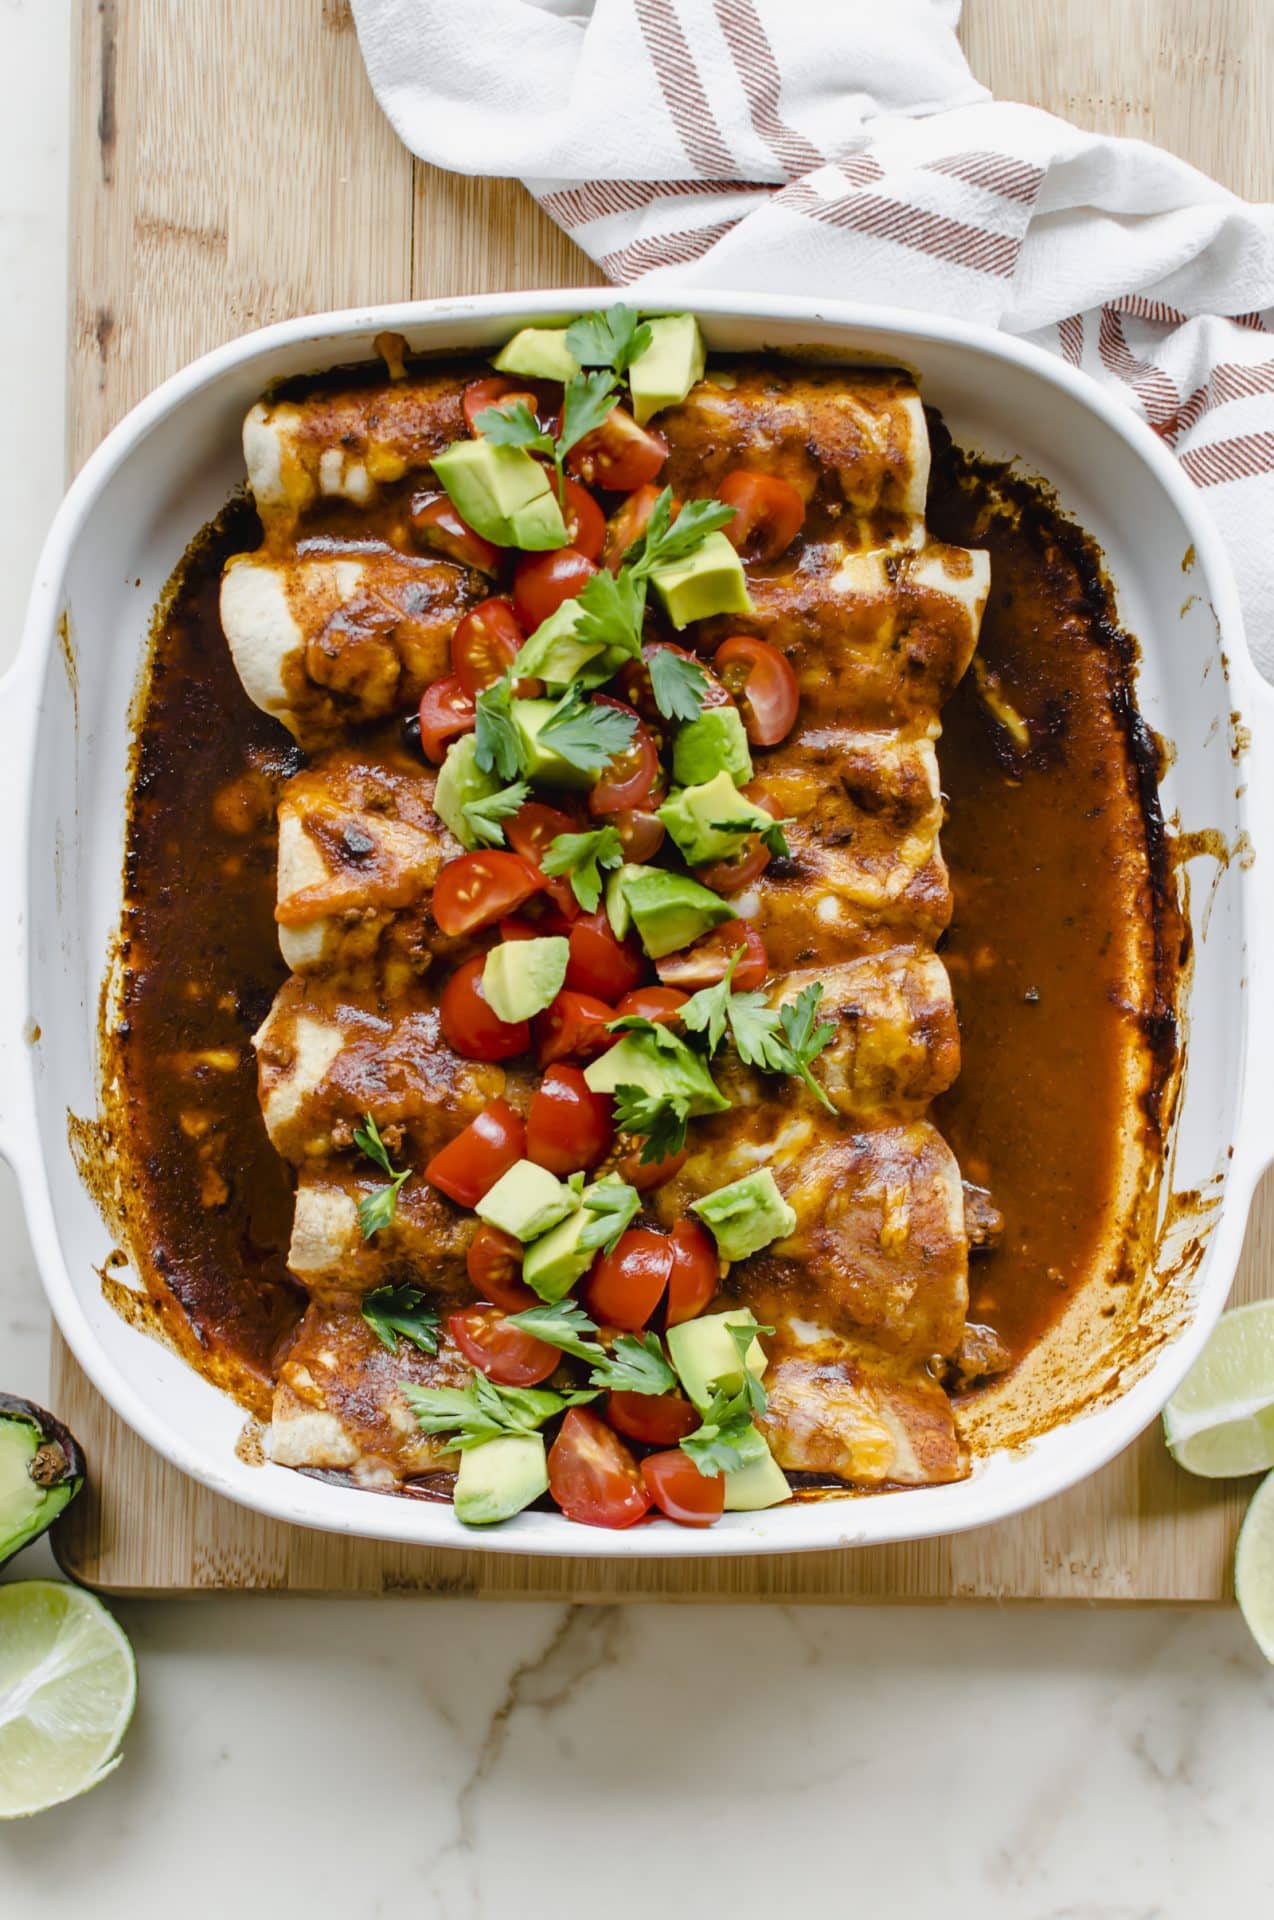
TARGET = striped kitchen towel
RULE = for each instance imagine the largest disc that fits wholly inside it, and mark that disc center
(844, 149)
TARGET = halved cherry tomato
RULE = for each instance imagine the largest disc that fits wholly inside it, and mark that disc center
(680, 1491)
(484, 643)
(446, 710)
(619, 455)
(573, 1027)
(651, 1003)
(732, 875)
(633, 681)
(469, 1026)
(768, 513)
(543, 581)
(762, 681)
(633, 777)
(569, 1127)
(599, 963)
(705, 963)
(656, 1419)
(533, 828)
(646, 1175)
(627, 1284)
(436, 525)
(585, 521)
(477, 889)
(519, 930)
(498, 391)
(696, 1272)
(641, 834)
(469, 1166)
(626, 527)
(592, 1475)
(502, 1352)
(494, 1261)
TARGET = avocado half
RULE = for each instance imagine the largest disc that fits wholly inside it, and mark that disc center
(41, 1471)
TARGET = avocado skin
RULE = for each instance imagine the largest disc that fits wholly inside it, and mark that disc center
(54, 1466)
(704, 747)
(499, 1478)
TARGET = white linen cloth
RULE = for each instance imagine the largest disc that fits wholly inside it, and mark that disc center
(844, 148)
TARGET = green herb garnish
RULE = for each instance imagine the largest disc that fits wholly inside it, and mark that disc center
(582, 855)
(612, 337)
(661, 1118)
(482, 1411)
(717, 1446)
(585, 735)
(498, 746)
(563, 1325)
(376, 1209)
(680, 686)
(637, 1365)
(776, 1039)
(486, 816)
(587, 398)
(771, 837)
(391, 1311)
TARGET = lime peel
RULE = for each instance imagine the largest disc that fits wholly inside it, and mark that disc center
(1254, 1568)
(1220, 1421)
(68, 1685)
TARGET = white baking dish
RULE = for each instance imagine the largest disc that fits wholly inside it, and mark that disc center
(64, 732)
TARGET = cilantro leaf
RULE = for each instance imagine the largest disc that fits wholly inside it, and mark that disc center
(514, 426)
(709, 1010)
(584, 735)
(666, 539)
(743, 1336)
(498, 745)
(482, 1411)
(661, 1118)
(637, 1365)
(563, 1325)
(612, 607)
(484, 816)
(376, 1209)
(582, 855)
(805, 1041)
(717, 1446)
(614, 1206)
(586, 401)
(679, 686)
(771, 837)
(612, 337)
(756, 1032)
(391, 1311)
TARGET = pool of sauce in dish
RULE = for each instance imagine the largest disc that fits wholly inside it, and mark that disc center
(1047, 848)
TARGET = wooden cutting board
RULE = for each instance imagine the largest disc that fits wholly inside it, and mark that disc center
(231, 168)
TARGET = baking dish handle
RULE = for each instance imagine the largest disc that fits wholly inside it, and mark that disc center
(18, 719)
(1255, 1143)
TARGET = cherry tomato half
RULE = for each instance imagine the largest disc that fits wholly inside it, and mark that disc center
(646, 1175)
(543, 581)
(696, 1272)
(569, 1127)
(651, 1003)
(680, 1491)
(494, 1261)
(485, 642)
(599, 964)
(436, 525)
(619, 455)
(762, 681)
(585, 521)
(573, 1027)
(476, 889)
(768, 513)
(739, 871)
(627, 1284)
(504, 1353)
(641, 834)
(626, 527)
(705, 963)
(469, 1026)
(633, 777)
(446, 710)
(656, 1419)
(497, 391)
(469, 1166)
(533, 828)
(592, 1475)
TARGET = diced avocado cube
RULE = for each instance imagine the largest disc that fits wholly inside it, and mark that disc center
(502, 494)
(663, 1067)
(716, 742)
(759, 1482)
(555, 1262)
(709, 580)
(670, 910)
(663, 375)
(552, 653)
(616, 904)
(541, 353)
(747, 1215)
(499, 1478)
(696, 817)
(461, 779)
(526, 1201)
(521, 977)
(707, 1358)
(530, 717)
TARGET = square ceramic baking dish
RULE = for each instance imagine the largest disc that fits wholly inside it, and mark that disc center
(64, 737)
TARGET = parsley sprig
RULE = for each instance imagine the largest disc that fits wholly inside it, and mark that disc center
(483, 1411)
(582, 856)
(637, 1364)
(391, 1311)
(587, 398)
(611, 337)
(376, 1209)
(772, 837)
(614, 1205)
(657, 1119)
(486, 816)
(784, 1039)
(585, 735)
(718, 1445)
(498, 746)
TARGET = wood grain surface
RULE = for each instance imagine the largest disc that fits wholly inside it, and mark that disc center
(231, 168)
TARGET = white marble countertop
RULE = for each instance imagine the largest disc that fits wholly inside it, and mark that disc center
(461, 1759)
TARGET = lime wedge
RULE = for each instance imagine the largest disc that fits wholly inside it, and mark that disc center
(68, 1683)
(1254, 1567)
(1220, 1421)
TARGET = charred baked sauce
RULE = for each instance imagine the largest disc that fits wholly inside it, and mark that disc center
(1048, 842)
